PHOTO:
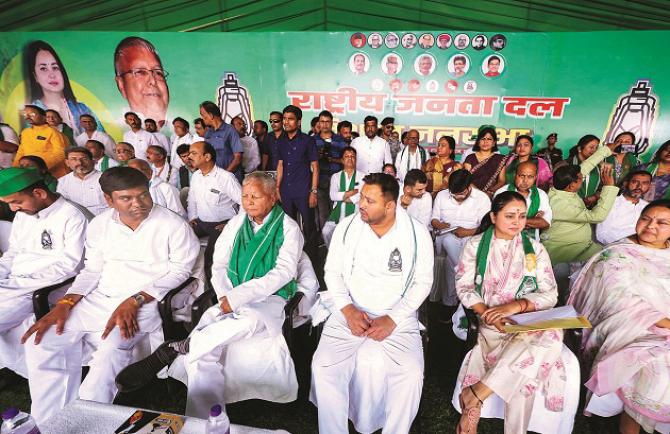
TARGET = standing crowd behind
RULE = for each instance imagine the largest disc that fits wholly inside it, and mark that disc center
(245, 215)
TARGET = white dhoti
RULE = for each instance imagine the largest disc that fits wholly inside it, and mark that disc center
(54, 366)
(237, 356)
(16, 316)
(327, 232)
(347, 379)
(451, 246)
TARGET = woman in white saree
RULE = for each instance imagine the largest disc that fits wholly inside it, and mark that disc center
(624, 291)
(503, 272)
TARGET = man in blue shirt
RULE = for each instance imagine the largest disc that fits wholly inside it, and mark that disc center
(223, 138)
(269, 148)
(298, 172)
(329, 146)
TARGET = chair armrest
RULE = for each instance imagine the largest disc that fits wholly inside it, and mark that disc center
(473, 329)
(165, 310)
(289, 310)
(41, 297)
(206, 300)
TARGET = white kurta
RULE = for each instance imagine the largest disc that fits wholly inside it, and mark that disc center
(621, 220)
(371, 155)
(140, 140)
(104, 138)
(242, 355)
(163, 141)
(380, 276)
(250, 157)
(110, 163)
(166, 173)
(166, 195)
(406, 161)
(336, 195)
(154, 258)
(44, 249)
(85, 192)
(214, 197)
(175, 142)
(421, 209)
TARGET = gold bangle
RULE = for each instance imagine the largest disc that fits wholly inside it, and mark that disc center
(68, 301)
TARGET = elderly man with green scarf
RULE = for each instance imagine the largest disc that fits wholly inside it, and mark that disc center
(255, 266)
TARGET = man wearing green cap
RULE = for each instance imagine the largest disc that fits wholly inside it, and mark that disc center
(46, 246)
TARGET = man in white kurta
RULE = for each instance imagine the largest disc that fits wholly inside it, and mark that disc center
(251, 307)
(379, 270)
(91, 132)
(102, 161)
(372, 152)
(622, 218)
(181, 136)
(82, 185)
(251, 158)
(162, 193)
(135, 253)
(412, 156)
(537, 201)
(344, 188)
(415, 199)
(139, 138)
(457, 213)
(46, 246)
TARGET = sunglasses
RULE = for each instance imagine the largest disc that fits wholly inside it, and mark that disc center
(274, 121)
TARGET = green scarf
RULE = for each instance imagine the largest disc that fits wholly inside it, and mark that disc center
(652, 168)
(349, 208)
(591, 181)
(529, 282)
(629, 161)
(254, 255)
(105, 163)
(510, 172)
(534, 199)
(422, 156)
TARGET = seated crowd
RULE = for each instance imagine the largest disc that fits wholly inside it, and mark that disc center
(121, 224)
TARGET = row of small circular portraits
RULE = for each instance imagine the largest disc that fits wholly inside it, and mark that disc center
(427, 40)
(426, 64)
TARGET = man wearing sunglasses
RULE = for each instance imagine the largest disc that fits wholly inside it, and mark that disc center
(387, 131)
(141, 78)
(269, 147)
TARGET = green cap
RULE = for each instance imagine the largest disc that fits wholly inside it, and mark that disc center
(16, 179)
(479, 131)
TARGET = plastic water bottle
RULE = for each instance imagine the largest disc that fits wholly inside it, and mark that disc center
(218, 422)
(18, 422)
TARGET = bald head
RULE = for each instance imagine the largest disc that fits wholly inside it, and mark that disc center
(526, 175)
(142, 166)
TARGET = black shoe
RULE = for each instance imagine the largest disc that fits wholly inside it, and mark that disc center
(8, 378)
(139, 374)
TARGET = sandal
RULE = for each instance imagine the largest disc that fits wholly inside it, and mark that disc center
(470, 414)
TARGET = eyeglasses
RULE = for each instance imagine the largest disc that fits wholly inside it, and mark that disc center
(274, 121)
(144, 73)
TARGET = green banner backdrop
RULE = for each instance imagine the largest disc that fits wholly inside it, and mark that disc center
(440, 82)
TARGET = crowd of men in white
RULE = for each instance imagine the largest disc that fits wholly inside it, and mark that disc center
(130, 234)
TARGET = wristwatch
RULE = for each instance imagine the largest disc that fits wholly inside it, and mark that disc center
(314, 190)
(140, 299)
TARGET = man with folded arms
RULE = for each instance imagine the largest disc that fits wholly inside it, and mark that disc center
(135, 253)
(46, 246)
(255, 267)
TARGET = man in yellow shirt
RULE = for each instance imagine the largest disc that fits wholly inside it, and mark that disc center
(43, 141)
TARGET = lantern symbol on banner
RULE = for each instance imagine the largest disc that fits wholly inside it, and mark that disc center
(234, 100)
(636, 113)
